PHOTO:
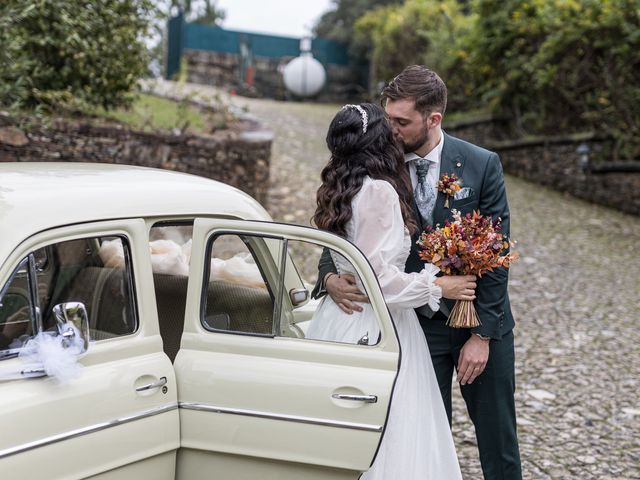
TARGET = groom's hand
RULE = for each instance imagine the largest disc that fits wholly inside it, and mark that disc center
(473, 359)
(344, 291)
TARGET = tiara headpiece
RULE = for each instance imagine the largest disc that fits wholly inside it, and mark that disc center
(363, 115)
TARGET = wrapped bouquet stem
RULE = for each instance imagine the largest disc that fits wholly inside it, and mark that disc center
(471, 244)
(463, 315)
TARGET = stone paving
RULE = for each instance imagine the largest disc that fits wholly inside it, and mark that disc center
(575, 295)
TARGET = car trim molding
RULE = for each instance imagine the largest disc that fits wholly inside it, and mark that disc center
(186, 406)
(85, 431)
(280, 416)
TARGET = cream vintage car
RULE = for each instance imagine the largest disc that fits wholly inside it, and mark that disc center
(190, 306)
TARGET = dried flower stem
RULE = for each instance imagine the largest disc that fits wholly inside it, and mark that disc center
(463, 315)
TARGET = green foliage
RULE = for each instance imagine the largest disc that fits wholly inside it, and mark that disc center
(72, 53)
(552, 65)
(338, 24)
(418, 32)
(560, 65)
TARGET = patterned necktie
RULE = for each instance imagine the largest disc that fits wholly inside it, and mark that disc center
(424, 194)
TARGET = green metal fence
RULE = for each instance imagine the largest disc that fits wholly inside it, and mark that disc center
(183, 35)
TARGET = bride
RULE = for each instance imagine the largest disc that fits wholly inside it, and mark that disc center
(366, 197)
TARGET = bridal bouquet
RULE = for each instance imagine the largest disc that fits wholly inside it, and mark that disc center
(470, 245)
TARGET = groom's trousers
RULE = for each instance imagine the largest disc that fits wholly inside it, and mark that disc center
(490, 398)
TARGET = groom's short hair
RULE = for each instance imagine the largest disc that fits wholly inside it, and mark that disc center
(420, 84)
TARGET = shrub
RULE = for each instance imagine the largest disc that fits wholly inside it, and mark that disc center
(72, 52)
(560, 65)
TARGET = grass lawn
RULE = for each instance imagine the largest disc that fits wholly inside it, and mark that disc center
(149, 112)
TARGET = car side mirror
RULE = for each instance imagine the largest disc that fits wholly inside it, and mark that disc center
(72, 320)
(298, 296)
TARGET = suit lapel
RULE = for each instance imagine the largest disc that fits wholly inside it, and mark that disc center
(451, 162)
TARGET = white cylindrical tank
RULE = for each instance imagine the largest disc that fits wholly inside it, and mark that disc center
(304, 76)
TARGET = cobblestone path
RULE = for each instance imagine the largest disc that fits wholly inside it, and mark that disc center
(575, 295)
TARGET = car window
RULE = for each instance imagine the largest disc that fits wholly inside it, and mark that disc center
(103, 282)
(95, 271)
(239, 298)
(17, 320)
(309, 318)
(262, 286)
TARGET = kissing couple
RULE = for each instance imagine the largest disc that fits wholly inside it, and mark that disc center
(379, 190)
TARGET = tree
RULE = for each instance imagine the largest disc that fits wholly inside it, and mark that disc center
(338, 24)
(417, 32)
(72, 52)
(557, 65)
(204, 11)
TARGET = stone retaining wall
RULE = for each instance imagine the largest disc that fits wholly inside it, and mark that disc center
(555, 162)
(237, 158)
(220, 69)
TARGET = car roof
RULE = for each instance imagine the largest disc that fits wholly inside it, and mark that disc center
(36, 196)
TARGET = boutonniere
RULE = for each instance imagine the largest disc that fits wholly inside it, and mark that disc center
(449, 185)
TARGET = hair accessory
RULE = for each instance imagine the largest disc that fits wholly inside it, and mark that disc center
(363, 114)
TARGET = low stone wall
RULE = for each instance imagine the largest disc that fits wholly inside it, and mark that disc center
(478, 130)
(555, 162)
(238, 158)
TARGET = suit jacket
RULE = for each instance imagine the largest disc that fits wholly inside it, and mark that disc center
(481, 172)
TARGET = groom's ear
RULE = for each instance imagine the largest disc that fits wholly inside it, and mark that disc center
(434, 119)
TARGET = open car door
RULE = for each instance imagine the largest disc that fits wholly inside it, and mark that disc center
(257, 399)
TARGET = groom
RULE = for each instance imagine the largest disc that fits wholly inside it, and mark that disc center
(415, 102)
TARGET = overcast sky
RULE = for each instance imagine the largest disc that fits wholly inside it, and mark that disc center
(291, 18)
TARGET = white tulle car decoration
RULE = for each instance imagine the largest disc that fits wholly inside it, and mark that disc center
(152, 325)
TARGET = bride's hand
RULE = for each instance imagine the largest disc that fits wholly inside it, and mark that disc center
(457, 287)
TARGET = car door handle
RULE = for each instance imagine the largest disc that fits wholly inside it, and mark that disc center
(160, 383)
(33, 373)
(355, 398)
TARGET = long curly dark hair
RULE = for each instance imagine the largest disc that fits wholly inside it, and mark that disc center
(354, 156)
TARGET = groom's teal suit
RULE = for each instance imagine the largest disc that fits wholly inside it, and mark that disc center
(490, 398)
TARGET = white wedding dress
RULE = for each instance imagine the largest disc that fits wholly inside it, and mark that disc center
(417, 442)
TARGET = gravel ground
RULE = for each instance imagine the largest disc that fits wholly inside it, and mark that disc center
(575, 295)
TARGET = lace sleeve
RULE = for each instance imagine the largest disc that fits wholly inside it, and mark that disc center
(379, 232)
